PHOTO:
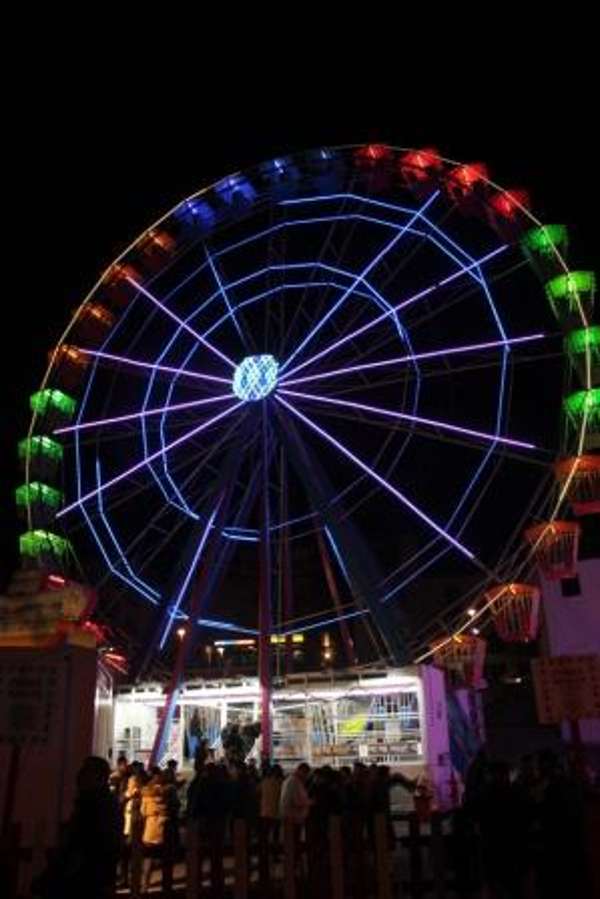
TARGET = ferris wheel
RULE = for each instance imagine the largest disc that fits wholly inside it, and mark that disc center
(353, 355)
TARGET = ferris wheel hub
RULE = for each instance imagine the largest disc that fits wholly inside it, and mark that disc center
(255, 377)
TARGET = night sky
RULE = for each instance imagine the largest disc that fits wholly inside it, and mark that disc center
(97, 167)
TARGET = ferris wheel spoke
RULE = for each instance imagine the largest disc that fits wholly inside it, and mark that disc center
(151, 366)
(360, 278)
(326, 245)
(414, 357)
(404, 304)
(405, 375)
(174, 610)
(377, 477)
(176, 407)
(403, 416)
(181, 322)
(223, 291)
(125, 474)
(166, 507)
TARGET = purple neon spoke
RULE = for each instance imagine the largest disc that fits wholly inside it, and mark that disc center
(150, 458)
(404, 416)
(413, 299)
(120, 418)
(389, 487)
(415, 357)
(360, 278)
(138, 363)
(181, 322)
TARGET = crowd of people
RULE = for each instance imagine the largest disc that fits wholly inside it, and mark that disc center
(528, 822)
(531, 824)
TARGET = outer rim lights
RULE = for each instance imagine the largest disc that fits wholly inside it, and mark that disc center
(584, 402)
(255, 377)
(36, 492)
(40, 446)
(44, 400)
(545, 240)
(32, 543)
(583, 339)
(567, 286)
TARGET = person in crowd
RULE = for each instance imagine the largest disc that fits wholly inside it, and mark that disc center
(294, 801)
(86, 863)
(269, 791)
(154, 817)
(132, 820)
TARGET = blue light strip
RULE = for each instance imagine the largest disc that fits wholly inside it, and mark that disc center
(180, 322)
(219, 281)
(392, 243)
(382, 205)
(326, 623)
(186, 581)
(338, 556)
(413, 299)
(125, 474)
(143, 587)
(226, 626)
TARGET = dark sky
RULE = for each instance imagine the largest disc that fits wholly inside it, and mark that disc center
(98, 156)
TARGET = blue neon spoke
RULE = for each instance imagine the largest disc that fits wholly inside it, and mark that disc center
(376, 477)
(145, 588)
(329, 621)
(223, 292)
(392, 243)
(189, 574)
(181, 322)
(413, 299)
(381, 204)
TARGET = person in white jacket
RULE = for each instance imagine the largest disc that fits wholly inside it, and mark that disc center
(295, 803)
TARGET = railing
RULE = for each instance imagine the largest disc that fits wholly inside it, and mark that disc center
(345, 857)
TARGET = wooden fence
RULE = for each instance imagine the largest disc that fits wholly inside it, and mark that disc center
(339, 858)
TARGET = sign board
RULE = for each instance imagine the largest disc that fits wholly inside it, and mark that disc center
(29, 696)
(567, 688)
(39, 613)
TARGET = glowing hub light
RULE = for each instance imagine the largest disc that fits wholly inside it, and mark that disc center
(255, 377)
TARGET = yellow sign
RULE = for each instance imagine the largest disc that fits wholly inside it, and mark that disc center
(567, 688)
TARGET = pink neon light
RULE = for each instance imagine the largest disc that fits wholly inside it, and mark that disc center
(469, 432)
(167, 368)
(110, 421)
(448, 351)
(149, 458)
(388, 312)
(181, 322)
(393, 490)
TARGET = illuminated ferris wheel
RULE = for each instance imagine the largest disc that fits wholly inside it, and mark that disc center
(355, 350)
